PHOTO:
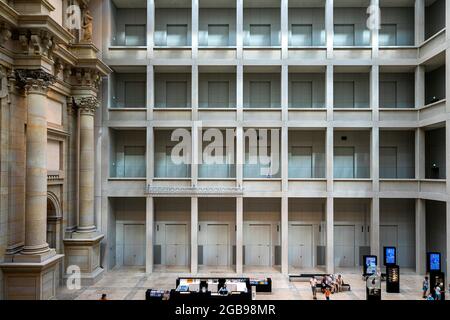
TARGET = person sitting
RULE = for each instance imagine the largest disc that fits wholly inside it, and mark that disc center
(224, 290)
(340, 283)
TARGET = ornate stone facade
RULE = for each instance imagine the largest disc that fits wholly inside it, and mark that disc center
(49, 83)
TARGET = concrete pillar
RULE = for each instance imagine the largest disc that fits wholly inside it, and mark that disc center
(284, 235)
(149, 227)
(150, 28)
(419, 154)
(329, 27)
(284, 29)
(240, 92)
(375, 205)
(447, 143)
(87, 106)
(239, 29)
(419, 21)
(330, 235)
(239, 235)
(194, 92)
(194, 31)
(284, 92)
(375, 30)
(36, 86)
(419, 87)
(420, 222)
(329, 87)
(194, 235)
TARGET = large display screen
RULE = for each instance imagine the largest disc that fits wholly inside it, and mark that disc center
(435, 261)
(390, 256)
(371, 264)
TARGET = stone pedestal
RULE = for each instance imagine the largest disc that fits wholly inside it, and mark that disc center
(84, 253)
(31, 280)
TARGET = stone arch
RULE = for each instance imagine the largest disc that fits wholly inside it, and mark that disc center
(54, 218)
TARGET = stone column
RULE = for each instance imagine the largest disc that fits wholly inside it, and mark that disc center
(86, 222)
(83, 248)
(239, 235)
(36, 84)
(36, 264)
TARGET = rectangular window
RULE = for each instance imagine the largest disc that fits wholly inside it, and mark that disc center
(135, 94)
(134, 161)
(177, 35)
(300, 162)
(260, 35)
(388, 162)
(218, 34)
(344, 35)
(388, 94)
(344, 94)
(344, 162)
(176, 94)
(218, 94)
(301, 94)
(260, 94)
(388, 35)
(135, 35)
(301, 35)
(175, 170)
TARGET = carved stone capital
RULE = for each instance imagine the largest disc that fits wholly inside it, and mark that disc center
(87, 105)
(5, 34)
(37, 43)
(34, 81)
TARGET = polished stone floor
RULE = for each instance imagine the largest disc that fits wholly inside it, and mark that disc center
(131, 284)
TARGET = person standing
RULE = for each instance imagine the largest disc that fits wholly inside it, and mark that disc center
(425, 287)
(437, 292)
(313, 283)
(327, 293)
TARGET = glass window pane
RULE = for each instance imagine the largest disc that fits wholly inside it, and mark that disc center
(135, 35)
(300, 162)
(218, 94)
(177, 35)
(260, 35)
(388, 94)
(344, 35)
(301, 94)
(134, 161)
(388, 162)
(176, 94)
(218, 34)
(301, 35)
(388, 35)
(259, 94)
(135, 94)
(344, 162)
(344, 94)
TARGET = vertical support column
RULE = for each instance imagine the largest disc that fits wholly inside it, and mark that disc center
(194, 235)
(284, 92)
(329, 27)
(330, 201)
(447, 144)
(149, 227)
(194, 22)
(420, 221)
(239, 235)
(419, 86)
(375, 28)
(375, 206)
(284, 235)
(419, 154)
(239, 29)
(284, 29)
(240, 92)
(150, 29)
(36, 86)
(196, 134)
(329, 87)
(330, 235)
(194, 91)
(419, 22)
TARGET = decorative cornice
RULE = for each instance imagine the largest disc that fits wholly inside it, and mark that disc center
(87, 105)
(36, 81)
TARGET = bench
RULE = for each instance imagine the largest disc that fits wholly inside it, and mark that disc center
(306, 276)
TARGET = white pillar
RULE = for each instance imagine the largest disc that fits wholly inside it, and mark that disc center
(240, 92)
(284, 29)
(194, 23)
(375, 31)
(420, 221)
(149, 227)
(329, 87)
(329, 27)
(239, 234)
(330, 235)
(239, 28)
(284, 235)
(375, 208)
(419, 154)
(419, 87)
(419, 21)
(194, 91)
(150, 28)
(194, 235)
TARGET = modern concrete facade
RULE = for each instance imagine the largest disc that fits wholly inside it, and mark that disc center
(361, 116)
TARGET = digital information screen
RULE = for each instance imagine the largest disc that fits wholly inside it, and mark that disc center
(371, 264)
(435, 261)
(390, 256)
